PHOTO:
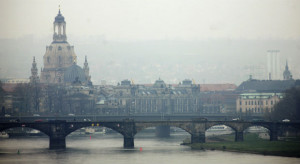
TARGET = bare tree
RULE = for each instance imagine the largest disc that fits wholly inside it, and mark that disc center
(23, 98)
(288, 107)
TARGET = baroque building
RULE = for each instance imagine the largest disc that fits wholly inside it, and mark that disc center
(158, 98)
(257, 97)
(60, 60)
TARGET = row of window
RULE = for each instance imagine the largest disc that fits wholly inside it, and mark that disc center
(257, 102)
(253, 110)
(59, 59)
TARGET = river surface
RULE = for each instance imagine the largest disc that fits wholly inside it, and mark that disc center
(107, 149)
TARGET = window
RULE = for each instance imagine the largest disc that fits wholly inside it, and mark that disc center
(48, 59)
(59, 60)
(272, 102)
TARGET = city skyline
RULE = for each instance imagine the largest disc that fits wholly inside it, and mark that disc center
(145, 53)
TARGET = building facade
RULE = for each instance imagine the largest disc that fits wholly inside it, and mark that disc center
(60, 59)
(257, 103)
(260, 96)
(158, 98)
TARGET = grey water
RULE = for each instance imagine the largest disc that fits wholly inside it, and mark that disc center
(107, 149)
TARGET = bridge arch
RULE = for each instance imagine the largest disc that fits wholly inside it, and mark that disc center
(216, 131)
(140, 127)
(266, 126)
(210, 125)
(30, 126)
(72, 127)
(267, 129)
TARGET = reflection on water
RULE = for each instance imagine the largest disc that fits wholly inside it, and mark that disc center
(108, 149)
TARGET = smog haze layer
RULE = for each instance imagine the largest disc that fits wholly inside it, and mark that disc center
(210, 41)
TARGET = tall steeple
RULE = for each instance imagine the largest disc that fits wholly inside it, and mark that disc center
(86, 69)
(287, 74)
(34, 78)
(59, 27)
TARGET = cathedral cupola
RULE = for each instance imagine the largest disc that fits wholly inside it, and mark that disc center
(59, 25)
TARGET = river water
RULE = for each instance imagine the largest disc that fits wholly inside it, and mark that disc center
(107, 149)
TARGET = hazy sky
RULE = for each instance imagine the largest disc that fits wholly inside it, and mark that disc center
(155, 19)
(212, 41)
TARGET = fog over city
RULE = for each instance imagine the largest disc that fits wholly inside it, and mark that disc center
(219, 41)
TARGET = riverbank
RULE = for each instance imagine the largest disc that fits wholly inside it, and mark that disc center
(252, 144)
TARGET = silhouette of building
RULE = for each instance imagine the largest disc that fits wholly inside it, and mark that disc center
(34, 78)
(60, 60)
(287, 74)
(260, 96)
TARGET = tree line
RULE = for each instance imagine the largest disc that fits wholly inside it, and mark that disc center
(288, 107)
(46, 99)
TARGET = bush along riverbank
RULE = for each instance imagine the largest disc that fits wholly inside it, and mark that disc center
(251, 144)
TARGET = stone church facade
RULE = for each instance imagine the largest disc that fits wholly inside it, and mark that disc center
(60, 60)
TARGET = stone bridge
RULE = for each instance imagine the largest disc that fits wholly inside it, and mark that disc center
(58, 130)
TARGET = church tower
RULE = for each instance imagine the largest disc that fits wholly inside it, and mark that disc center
(59, 55)
(287, 74)
(86, 70)
(34, 78)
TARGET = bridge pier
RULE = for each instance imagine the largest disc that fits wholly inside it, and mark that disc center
(57, 135)
(273, 135)
(128, 132)
(57, 142)
(239, 136)
(198, 137)
(128, 142)
(162, 131)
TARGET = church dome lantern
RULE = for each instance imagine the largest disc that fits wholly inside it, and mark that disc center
(59, 18)
(59, 26)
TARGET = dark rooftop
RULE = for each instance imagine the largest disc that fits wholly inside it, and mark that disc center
(266, 85)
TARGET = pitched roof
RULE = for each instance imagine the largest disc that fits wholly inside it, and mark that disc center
(9, 87)
(217, 87)
(266, 85)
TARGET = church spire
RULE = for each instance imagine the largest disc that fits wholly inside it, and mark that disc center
(287, 74)
(86, 69)
(34, 78)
